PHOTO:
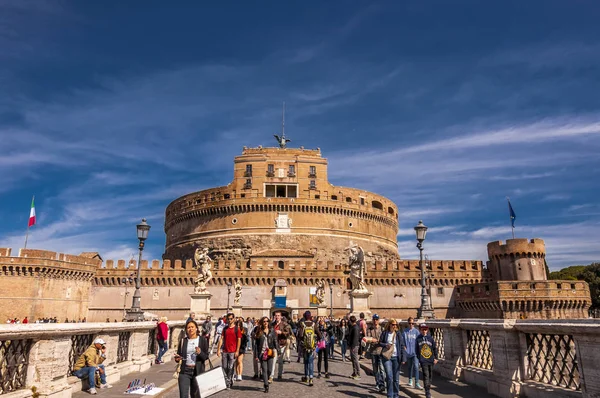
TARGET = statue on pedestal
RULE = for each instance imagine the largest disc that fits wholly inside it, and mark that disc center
(357, 267)
(320, 293)
(204, 264)
(238, 293)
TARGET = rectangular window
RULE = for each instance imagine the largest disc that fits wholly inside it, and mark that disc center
(313, 184)
(248, 172)
(572, 286)
(312, 171)
(559, 286)
(317, 196)
(280, 191)
(271, 168)
(515, 286)
(362, 201)
(291, 191)
(440, 291)
(226, 196)
(270, 191)
(292, 170)
(248, 183)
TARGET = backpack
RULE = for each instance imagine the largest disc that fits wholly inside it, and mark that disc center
(309, 338)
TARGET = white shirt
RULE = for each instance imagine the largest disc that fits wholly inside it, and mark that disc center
(391, 339)
(190, 357)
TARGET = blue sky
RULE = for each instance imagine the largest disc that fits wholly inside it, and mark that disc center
(110, 110)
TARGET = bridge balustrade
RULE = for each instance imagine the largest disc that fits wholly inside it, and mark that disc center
(513, 358)
(43, 355)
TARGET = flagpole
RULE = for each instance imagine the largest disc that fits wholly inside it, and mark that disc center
(27, 233)
(512, 224)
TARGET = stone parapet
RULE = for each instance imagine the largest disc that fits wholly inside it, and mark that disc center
(514, 358)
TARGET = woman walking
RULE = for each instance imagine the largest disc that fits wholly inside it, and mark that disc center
(342, 336)
(323, 353)
(162, 336)
(392, 356)
(239, 364)
(192, 353)
(265, 344)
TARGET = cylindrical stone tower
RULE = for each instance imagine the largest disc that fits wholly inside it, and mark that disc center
(517, 259)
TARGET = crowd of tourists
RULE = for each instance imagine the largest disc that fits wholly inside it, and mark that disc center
(270, 343)
(26, 320)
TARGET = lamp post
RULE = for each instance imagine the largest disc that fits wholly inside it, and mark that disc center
(425, 311)
(135, 313)
(228, 294)
(331, 299)
(126, 282)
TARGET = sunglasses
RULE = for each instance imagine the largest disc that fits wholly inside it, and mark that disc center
(395, 324)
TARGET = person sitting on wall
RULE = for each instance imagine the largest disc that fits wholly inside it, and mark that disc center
(91, 361)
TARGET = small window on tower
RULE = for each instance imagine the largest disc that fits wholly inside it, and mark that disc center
(270, 170)
(292, 170)
(248, 172)
(312, 171)
(313, 184)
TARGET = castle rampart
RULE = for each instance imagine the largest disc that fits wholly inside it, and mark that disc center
(518, 259)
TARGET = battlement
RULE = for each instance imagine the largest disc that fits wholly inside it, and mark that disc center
(517, 247)
(36, 254)
(282, 151)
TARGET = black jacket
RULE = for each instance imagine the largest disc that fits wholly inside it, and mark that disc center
(354, 336)
(260, 341)
(200, 358)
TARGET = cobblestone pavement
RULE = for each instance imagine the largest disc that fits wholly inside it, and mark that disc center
(339, 385)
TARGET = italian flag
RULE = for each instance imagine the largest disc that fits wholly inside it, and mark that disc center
(32, 214)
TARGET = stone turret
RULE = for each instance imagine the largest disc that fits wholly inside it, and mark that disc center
(517, 259)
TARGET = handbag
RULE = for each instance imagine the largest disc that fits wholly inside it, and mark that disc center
(211, 382)
(177, 370)
(321, 344)
(387, 354)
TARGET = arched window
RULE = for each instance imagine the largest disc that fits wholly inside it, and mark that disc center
(377, 205)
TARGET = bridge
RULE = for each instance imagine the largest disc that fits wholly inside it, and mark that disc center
(484, 358)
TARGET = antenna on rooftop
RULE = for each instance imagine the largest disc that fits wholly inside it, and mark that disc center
(282, 140)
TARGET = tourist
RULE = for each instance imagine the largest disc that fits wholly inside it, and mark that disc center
(162, 336)
(221, 323)
(193, 351)
(354, 341)
(282, 331)
(392, 356)
(249, 324)
(331, 345)
(427, 354)
(192, 317)
(410, 335)
(309, 336)
(342, 331)
(255, 362)
(322, 347)
(25, 320)
(230, 340)
(374, 352)
(265, 346)
(239, 362)
(207, 327)
(90, 362)
(362, 324)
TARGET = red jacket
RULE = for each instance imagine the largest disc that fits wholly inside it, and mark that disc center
(162, 331)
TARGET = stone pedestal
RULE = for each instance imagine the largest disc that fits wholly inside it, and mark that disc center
(237, 310)
(200, 304)
(359, 302)
(322, 310)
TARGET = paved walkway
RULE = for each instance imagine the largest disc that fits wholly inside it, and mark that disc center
(339, 385)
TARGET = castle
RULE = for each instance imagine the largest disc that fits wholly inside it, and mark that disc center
(280, 226)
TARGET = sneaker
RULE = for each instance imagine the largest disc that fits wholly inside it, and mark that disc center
(93, 391)
(239, 378)
(270, 380)
(418, 386)
(327, 375)
(382, 389)
(105, 385)
(304, 379)
(356, 377)
(319, 375)
(410, 383)
(310, 382)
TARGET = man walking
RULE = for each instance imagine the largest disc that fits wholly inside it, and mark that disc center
(221, 323)
(354, 343)
(374, 351)
(207, 328)
(428, 356)
(231, 341)
(282, 331)
(308, 336)
(410, 337)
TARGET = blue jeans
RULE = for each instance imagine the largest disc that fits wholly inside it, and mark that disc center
(378, 370)
(413, 368)
(162, 348)
(392, 375)
(344, 348)
(331, 346)
(309, 364)
(90, 373)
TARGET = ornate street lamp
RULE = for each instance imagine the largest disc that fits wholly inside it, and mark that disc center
(331, 299)
(229, 284)
(135, 313)
(425, 310)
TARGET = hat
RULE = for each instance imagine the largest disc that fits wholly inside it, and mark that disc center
(99, 341)
(423, 326)
(307, 314)
(375, 316)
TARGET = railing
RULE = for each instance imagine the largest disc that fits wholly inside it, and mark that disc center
(532, 358)
(79, 343)
(123, 347)
(43, 355)
(552, 359)
(480, 354)
(438, 337)
(14, 359)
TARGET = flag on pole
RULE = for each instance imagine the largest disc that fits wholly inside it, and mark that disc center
(513, 216)
(32, 214)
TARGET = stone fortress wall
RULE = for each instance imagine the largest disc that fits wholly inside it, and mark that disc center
(40, 283)
(166, 286)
